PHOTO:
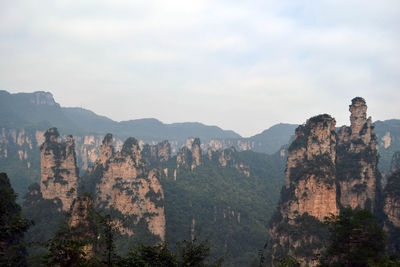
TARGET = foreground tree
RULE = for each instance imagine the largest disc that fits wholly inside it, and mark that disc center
(12, 226)
(355, 240)
(189, 253)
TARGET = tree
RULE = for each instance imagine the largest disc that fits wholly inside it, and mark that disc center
(189, 253)
(355, 240)
(157, 255)
(12, 226)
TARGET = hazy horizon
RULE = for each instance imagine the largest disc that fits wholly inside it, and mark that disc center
(242, 66)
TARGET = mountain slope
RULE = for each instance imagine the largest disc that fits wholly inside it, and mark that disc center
(39, 110)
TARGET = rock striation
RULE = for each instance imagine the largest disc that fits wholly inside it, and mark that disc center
(358, 177)
(309, 194)
(125, 185)
(325, 172)
(59, 171)
(310, 174)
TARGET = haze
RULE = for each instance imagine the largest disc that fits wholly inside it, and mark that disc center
(241, 65)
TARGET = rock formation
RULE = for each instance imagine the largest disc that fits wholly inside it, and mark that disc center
(391, 206)
(160, 152)
(310, 192)
(126, 186)
(310, 174)
(226, 158)
(325, 172)
(196, 153)
(357, 173)
(395, 166)
(59, 170)
(184, 157)
(191, 158)
(82, 224)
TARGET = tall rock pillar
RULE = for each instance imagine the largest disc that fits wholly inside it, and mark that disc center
(357, 173)
(59, 171)
(309, 195)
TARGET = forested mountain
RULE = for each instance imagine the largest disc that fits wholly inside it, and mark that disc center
(40, 111)
(225, 196)
(224, 189)
(332, 173)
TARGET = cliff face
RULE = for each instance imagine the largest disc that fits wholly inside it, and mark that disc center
(357, 173)
(309, 194)
(190, 157)
(395, 162)
(310, 175)
(325, 172)
(196, 153)
(391, 205)
(59, 170)
(128, 187)
(160, 152)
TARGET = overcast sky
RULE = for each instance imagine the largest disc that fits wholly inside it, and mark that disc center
(241, 65)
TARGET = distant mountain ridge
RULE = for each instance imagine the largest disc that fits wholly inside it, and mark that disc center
(39, 110)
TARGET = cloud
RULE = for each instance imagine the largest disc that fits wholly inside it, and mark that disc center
(221, 62)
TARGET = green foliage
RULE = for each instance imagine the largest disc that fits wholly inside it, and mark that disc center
(90, 242)
(128, 145)
(300, 140)
(392, 191)
(189, 253)
(382, 128)
(321, 166)
(17, 169)
(224, 205)
(355, 239)
(12, 226)
(306, 231)
(303, 131)
(45, 213)
(392, 188)
(142, 255)
(288, 261)
(347, 164)
(65, 253)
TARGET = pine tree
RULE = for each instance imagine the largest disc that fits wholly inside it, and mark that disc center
(12, 226)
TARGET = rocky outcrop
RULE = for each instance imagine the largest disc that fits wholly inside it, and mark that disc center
(310, 192)
(84, 225)
(191, 158)
(160, 152)
(325, 172)
(358, 177)
(226, 157)
(395, 166)
(42, 98)
(59, 171)
(196, 153)
(391, 206)
(126, 186)
(310, 174)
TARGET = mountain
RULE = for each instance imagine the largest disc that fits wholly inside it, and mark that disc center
(32, 111)
(326, 172)
(388, 134)
(225, 196)
(269, 141)
(40, 111)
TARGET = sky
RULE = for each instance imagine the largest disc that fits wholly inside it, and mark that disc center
(240, 65)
